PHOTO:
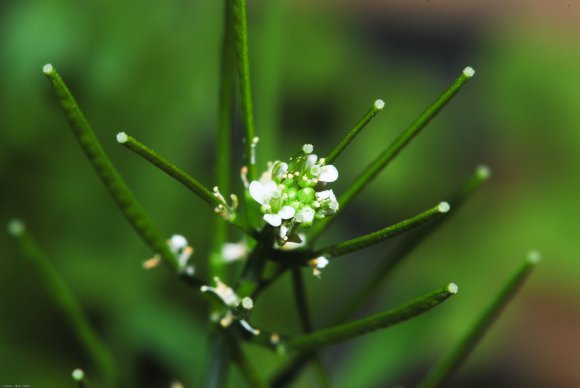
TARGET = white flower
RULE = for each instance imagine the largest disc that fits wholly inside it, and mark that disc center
(317, 264)
(305, 215)
(328, 201)
(264, 194)
(234, 251)
(177, 242)
(286, 213)
(180, 248)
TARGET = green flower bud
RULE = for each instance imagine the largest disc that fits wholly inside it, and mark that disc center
(306, 195)
(292, 192)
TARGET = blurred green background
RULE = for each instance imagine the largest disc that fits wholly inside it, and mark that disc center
(151, 68)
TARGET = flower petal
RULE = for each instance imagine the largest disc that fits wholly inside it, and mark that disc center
(310, 161)
(271, 190)
(305, 215)
(279, 169)
(273, 219)
(328, 173)
(257, 192)
(287, 212)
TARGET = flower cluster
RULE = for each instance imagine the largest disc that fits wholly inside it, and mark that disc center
(293, 194)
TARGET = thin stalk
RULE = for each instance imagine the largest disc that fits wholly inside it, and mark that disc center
(382, 320)
(306, 321)
(408, 243)
(449, 364)
(223, 147)
(191, 183)
(59, 293)
(265, 282)
(117, 187)
(256, 263)
(288, 373)
(217, 359)
(393, 150)
(251, 375)
(384, 234)
(171, 169)
(243, 64)
(378, 106)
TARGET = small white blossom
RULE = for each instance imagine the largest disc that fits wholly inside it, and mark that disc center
(327, 199)
(317, 264)
(263, 193)
(286, 213)
(235, 251)
(305, 215)
(179, 246)
(266, 194)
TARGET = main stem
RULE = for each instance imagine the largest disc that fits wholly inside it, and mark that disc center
(243, 64)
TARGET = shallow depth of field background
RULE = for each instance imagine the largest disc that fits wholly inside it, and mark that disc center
(151, 70)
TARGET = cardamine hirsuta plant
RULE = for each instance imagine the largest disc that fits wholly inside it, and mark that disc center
(282, 211)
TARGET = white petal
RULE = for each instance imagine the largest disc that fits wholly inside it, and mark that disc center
(283, 231)
(287, 212)
(326, 194)
(282, 169)
(306, 214)
(257, 192)
(310, 161)
(271, 190)
(273, 219)
(328, 173)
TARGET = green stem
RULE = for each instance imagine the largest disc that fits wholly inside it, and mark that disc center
(384, 234)
(243, 64)
(378, 106)
(256, 263)
(223, 148)
(117, 187)
(393, 150)
(288, 373)
(217, 359)
(407, 244)
(172, 170)
(66, 302)
(306, 321)
(445, 368)
(301, 300)
(192, 184)
(382, 320)
(248, 370)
